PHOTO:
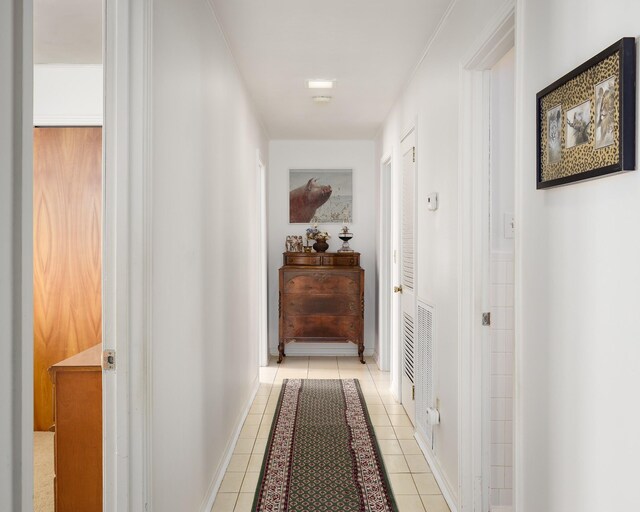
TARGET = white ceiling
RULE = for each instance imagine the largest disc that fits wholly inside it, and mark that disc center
(369, 46)
(67, 31)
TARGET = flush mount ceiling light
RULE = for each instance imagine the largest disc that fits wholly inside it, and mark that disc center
(320, 83)
(322, 99)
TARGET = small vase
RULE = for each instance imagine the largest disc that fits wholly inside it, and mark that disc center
(320, 246)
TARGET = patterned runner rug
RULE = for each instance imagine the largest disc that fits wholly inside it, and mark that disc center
(322, 453)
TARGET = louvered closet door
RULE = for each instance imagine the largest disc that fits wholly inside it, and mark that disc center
(408, 274)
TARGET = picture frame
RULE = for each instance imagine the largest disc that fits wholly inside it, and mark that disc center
(320, 196)
(586, 120)
(293, 243)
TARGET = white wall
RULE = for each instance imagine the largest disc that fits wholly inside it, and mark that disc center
(16, 248)
(204, 345)
(577, 264)
(325, 154)
(432, 99)
(67, 95)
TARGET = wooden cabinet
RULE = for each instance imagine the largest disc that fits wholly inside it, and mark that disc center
(321, 299)
(77, 407)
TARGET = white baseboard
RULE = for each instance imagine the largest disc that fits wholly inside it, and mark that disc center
(501, 508)
(445, 487)
(212, 491)
(322, 350)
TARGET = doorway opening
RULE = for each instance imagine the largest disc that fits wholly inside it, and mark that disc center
(500, 288)
(385, 251)
(486, 254)
(68, 273)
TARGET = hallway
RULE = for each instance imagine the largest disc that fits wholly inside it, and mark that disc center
(412, 481)
(527, 350)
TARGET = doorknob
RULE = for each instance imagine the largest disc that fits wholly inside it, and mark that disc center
(397, 289)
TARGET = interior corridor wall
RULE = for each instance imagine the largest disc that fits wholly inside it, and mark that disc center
(577, 262)
(204, 341)
(357, 155)
(431, 99)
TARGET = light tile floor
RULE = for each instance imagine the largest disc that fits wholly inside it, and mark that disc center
(413, 484)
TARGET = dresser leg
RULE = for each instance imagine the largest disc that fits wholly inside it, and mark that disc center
(280, 351)
(361, 352)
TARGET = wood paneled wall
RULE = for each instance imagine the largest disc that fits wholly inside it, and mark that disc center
(67, 263)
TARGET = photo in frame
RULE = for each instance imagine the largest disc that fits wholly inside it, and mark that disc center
(293, 243)
(586, 120)
(321, 196)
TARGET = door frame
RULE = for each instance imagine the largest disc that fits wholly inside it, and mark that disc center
(128, 261)
(385, 248)
(395, 345)
(473, 249)
(263, 334)
(16, 256)
(126, 257)
(393, 277)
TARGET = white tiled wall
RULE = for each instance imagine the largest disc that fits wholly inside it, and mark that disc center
(502, 339)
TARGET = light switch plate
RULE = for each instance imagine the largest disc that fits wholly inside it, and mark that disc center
(509, 225)
(432, 201)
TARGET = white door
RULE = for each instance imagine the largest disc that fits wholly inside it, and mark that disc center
(408, 274)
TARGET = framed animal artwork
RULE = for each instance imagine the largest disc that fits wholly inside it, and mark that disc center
(320, 196)
(586, 120)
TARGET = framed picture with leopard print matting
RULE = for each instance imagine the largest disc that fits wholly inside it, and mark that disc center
(586, 120)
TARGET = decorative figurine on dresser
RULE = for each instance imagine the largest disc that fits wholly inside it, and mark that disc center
(321, 299)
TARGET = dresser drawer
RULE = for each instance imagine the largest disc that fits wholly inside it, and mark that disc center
(303, 259)
(324, 259)
(322, 328)
(310, 282)
(296, 304)
(340, 260)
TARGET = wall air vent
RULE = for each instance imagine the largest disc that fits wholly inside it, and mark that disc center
(424, 368)
(408, 347)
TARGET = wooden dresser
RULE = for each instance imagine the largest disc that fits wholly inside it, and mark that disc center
(321, 299)
(77, 408)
